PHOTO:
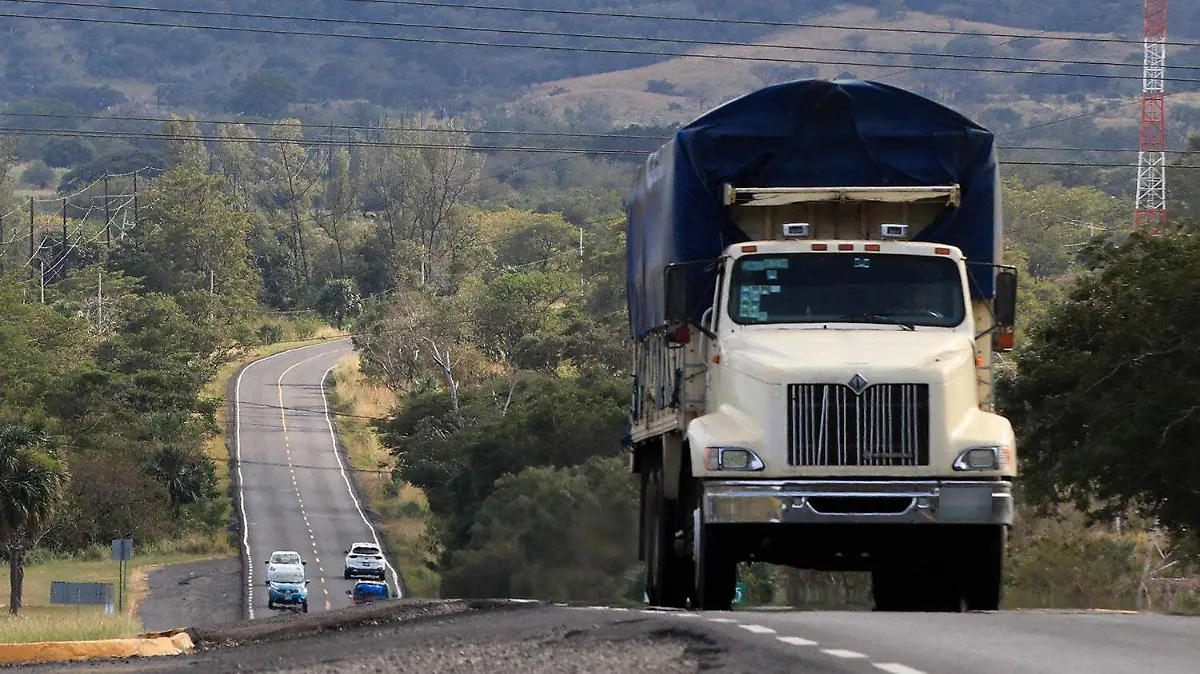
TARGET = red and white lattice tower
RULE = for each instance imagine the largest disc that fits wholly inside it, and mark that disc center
(1151, 209)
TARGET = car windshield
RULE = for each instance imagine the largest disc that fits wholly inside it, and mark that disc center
(287, 575)
(285, 558)
(846, 288)
(364, 550)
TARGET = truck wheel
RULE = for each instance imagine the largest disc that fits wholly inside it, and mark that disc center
(666, 577)
(984, 568)
(715, 568)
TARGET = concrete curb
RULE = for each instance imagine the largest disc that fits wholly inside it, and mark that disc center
(147, 645)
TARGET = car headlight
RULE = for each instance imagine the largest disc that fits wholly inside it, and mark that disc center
(983, 458)
(731, 458)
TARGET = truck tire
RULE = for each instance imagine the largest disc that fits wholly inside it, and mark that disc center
(715, 568)
(667, 579)
(983, 569)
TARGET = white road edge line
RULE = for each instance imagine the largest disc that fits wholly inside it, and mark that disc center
(349, 488)
(896, 668)
(839, 653)
(757, 629)
(797, 641)
(237, 442)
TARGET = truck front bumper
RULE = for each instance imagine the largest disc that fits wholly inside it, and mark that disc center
(858, 501)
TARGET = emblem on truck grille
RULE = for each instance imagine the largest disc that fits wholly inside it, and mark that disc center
(858, 384)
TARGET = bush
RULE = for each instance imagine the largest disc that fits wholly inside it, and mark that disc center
(38, 175)
(661, 87)
(64, 152)
(270, 333)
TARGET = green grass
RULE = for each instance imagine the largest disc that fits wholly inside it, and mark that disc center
(41, 621)
(402, 506)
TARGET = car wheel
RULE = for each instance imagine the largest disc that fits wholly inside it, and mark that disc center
(346, 574)
(270, 605)
(304, 606)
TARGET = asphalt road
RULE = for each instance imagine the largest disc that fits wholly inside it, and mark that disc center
(295, 493)
(432, 638)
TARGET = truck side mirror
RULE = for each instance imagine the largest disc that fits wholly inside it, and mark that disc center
(676, 308)
(1004, 310)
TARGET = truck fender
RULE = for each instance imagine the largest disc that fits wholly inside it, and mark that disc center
(727, 427)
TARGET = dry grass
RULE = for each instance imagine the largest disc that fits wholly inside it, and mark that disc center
(402, 506)
(41, 621)
(702, 84)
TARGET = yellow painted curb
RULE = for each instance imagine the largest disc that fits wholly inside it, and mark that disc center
(58, 651)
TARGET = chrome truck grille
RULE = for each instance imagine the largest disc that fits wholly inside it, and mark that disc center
(831, 425)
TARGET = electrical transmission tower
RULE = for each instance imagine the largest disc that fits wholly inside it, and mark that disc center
(1150, 211)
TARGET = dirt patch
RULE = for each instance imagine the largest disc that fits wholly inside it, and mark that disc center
(197, 594)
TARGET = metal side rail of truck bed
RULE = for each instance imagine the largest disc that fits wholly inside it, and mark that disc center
(858, 501)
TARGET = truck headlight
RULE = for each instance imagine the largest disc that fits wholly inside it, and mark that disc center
(983, 458)
(731, 458)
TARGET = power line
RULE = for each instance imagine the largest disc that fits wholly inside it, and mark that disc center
(559, 48)
(746, 22)
(590, 36)
(1036, 35)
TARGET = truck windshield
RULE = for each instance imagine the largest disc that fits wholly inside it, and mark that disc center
(846, 288)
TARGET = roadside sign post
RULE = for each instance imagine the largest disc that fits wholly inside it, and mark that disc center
(122, 551)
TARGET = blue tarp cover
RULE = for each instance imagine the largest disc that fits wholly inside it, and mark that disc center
(809, 133)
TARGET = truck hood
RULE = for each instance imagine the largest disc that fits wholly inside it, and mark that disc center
(786, 356)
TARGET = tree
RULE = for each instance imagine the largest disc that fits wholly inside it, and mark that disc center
(339, 300)
(1104, 397)
(31, 483)
(295, 171)
(335, 205)
(557, 534)
(38, 175)
(191, 243)
(266, 93)
(187, 476)
(184, 146)
(64, 152)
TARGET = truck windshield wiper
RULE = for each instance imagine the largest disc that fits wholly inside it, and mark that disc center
(881, 318)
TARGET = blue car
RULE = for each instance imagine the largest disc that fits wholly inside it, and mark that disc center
(367, 591)
(287, 587)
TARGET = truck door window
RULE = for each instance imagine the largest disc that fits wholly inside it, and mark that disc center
(846, 288)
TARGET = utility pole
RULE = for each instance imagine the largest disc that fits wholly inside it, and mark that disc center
(1150, 211)
(107, 215)
(30, 238)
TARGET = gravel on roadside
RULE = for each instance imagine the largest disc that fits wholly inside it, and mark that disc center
(196, 594)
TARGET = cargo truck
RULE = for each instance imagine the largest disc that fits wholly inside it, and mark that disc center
(815, 294)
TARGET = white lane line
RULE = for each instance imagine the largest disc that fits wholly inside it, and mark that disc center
(237, 446)
(349, 488)
(757, 629)
(896, 668)
(722, 620)
(797, 641)
(839, 653)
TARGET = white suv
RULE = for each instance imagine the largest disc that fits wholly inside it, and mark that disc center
(364, 559)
